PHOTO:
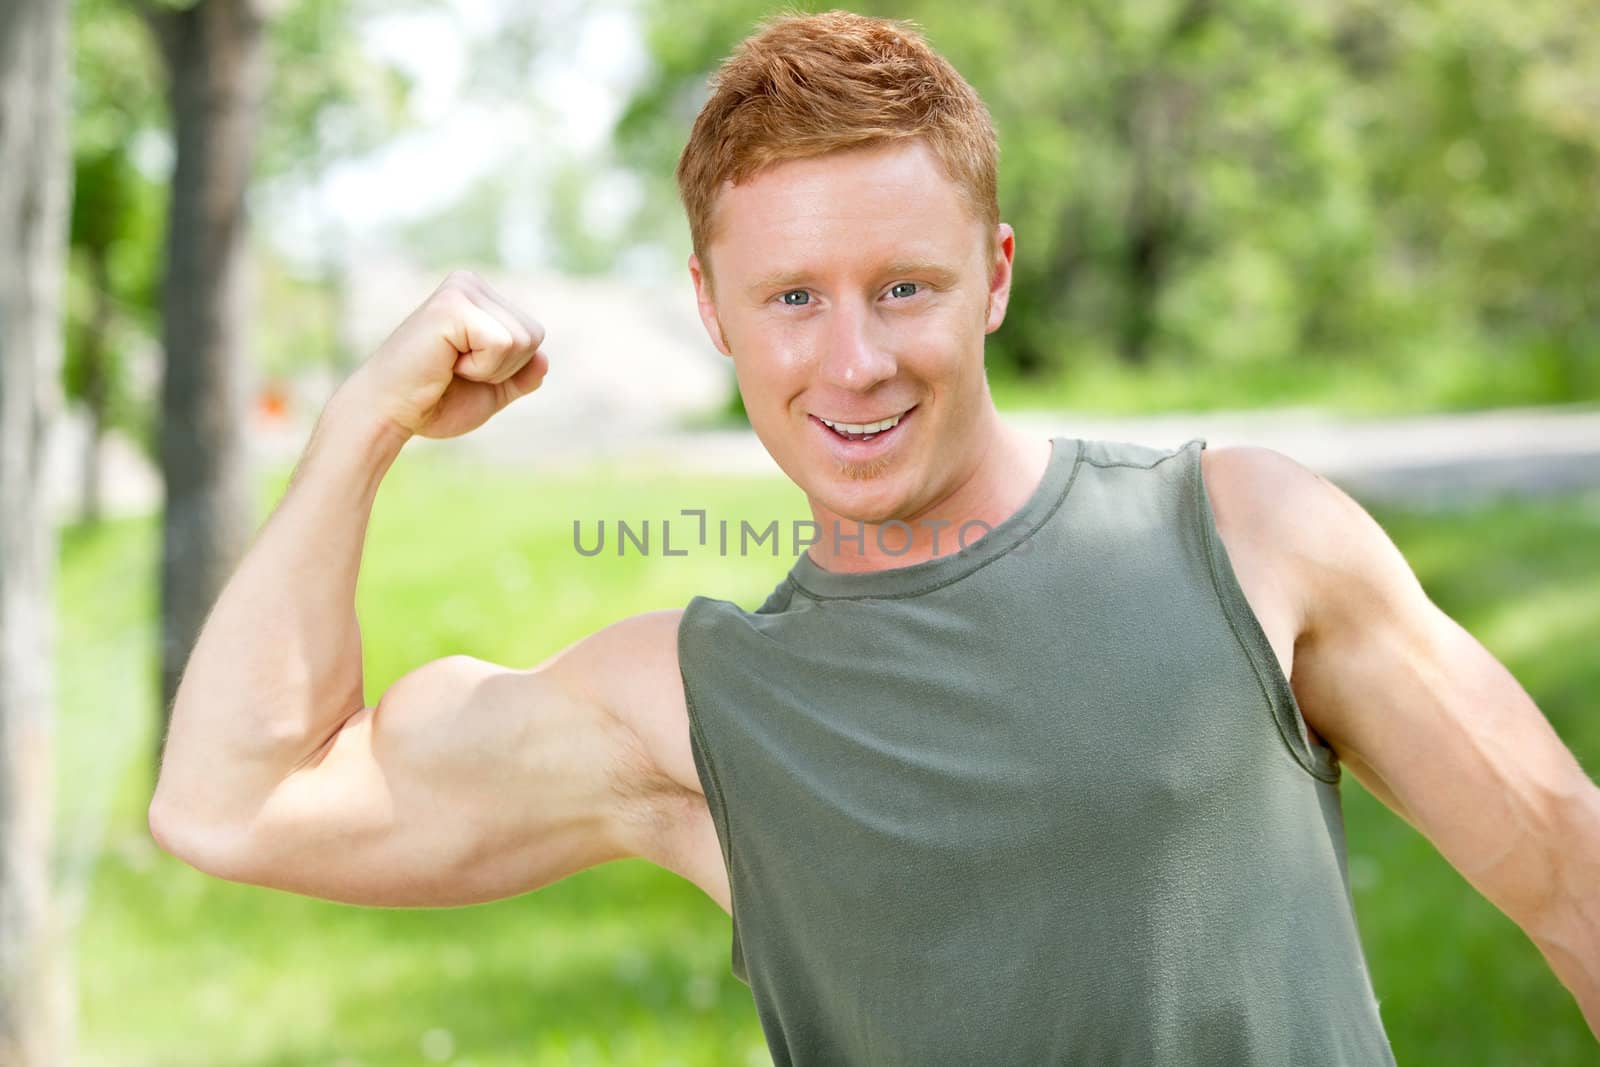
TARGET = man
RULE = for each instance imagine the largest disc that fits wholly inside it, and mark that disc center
(1031, 758)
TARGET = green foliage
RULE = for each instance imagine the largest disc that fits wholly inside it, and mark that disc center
(466, 231)
(118, 214)
(626, 964)
(300, 328)
(327, 100)
(118, 209)
(1228, 184)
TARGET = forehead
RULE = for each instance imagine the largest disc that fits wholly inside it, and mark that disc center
(891, 202)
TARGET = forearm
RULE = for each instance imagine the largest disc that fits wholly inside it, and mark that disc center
(1580, 975)
(277, 666)
(1569, 938)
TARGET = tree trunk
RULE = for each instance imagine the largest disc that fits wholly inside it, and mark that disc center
(1152, 218)
(96, 383)
(35, 180)
(214, 60)
(1158, 110)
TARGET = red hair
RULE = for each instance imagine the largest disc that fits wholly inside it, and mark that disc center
(806, 85)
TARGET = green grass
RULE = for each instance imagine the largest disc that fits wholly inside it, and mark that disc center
(626, 964)
(1427, 382)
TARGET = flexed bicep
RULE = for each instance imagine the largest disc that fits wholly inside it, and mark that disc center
(467, 782)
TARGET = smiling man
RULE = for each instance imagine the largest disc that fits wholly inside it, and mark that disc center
(1032, 758)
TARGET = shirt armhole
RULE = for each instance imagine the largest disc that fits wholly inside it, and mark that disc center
(1318, 760)
(710, 782)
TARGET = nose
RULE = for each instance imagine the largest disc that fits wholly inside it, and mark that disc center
(856, 355)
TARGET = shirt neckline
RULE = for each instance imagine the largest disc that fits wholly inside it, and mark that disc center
(1066, 454)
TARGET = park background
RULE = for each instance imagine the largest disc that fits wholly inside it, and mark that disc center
(1338, 209)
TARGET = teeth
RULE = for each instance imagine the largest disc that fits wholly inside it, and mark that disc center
(869, 427)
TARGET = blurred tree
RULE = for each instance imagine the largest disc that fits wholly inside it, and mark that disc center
(473, 227)
(328, 102)
(216, 70)
(114, 213)
(35, 178)
(219, 56)
(114, 279)
(1485, 139)
(1239, 182)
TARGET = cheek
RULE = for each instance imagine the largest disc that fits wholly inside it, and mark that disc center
(949, 356)
(769, 375)
(769, 349)
(943, 338)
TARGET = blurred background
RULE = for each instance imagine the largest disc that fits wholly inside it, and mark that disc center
(1365, 234)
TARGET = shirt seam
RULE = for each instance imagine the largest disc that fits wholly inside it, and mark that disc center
(1055, 506)
(698, 731)
(1307, 762)
(1142, 466)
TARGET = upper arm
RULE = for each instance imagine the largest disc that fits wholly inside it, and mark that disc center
(470, 782)
(1421, 711)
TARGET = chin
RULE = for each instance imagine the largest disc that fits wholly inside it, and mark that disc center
(868, 500)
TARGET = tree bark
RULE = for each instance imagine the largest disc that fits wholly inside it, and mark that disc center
(215, 64)
(35, 181)
(96, 384)
(1157, 111)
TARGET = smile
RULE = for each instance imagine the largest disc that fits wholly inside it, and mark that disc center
(863, 430)
(860, 439)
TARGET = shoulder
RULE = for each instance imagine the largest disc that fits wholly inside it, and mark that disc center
(1326, 547)
(1260, 498)
(1258, 481)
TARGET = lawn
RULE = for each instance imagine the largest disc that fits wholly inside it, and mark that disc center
(1423, 381)
(626, 964)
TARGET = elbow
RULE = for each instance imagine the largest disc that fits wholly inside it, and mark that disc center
(211, 850)
(164, 831)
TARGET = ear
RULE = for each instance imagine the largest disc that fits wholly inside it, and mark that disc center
(1000, 277)
(707, 305)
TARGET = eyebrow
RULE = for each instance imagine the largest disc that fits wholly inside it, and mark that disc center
(781, 280)
(928, 268)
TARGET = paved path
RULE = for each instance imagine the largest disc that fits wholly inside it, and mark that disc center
(1429, 460)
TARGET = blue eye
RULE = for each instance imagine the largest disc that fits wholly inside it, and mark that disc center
(904, 289)
(796, 298)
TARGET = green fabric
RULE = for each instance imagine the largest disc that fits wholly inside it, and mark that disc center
(1047, 800)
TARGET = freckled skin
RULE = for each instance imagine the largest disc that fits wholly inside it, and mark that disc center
(854, 286)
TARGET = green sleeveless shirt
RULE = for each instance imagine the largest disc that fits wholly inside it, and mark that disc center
(1044, 800)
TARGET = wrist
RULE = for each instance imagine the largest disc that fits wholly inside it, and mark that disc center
(357, 416)
(351, 439)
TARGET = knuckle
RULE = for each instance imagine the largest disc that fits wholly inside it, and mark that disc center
(453, 300)
(501, 341)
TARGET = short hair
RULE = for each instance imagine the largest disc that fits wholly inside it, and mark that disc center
(806, 85)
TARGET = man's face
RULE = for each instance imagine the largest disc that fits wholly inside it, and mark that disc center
(853, 288)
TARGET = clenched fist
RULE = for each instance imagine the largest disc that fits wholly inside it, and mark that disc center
(461, 356)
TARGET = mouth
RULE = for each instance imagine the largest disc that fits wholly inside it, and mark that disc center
(857, 439)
